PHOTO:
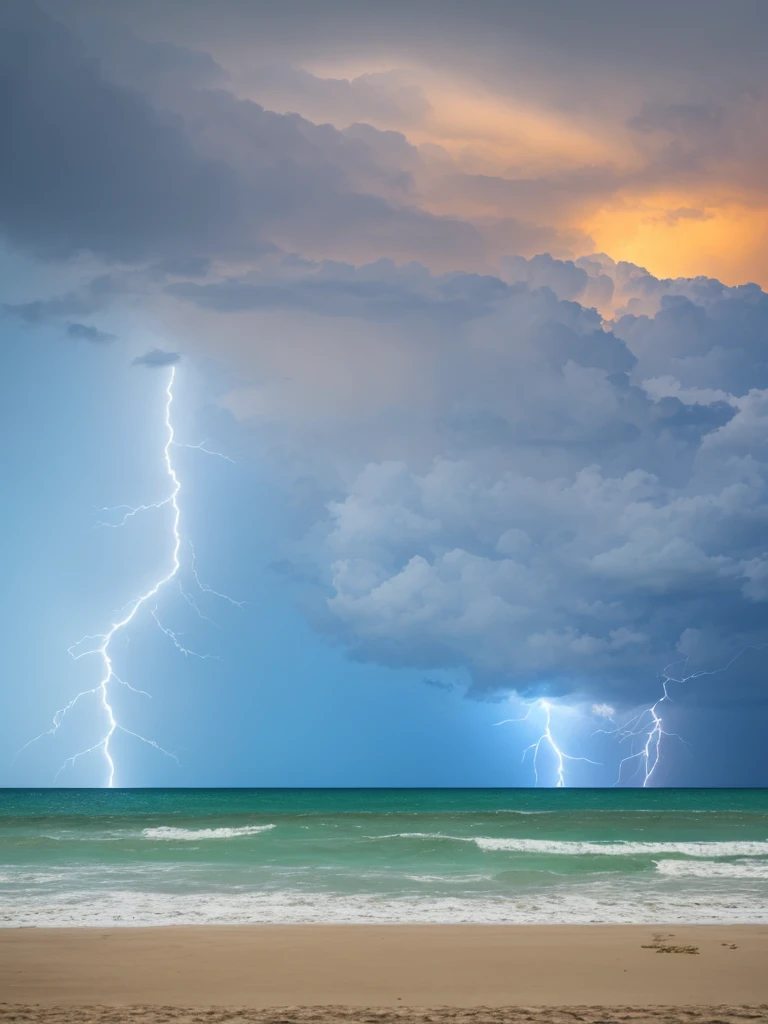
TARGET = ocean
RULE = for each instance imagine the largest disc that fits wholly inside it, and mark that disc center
(182, 856)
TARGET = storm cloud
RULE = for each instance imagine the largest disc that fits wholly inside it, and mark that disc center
(517, 456)
(551, 500)
(91, 166)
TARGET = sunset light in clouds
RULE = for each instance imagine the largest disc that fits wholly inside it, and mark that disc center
(675, 186)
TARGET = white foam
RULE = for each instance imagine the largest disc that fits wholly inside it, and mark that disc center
(576, 848)
(612, 848)
(712, 869)
(166, 832)
(505, 810)
(593, 903)
(423, 835)
(449, 879)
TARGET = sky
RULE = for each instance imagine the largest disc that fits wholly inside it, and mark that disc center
(467, 301)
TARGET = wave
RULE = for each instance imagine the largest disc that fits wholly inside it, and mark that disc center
(597, 903)
(711, 869)
(449, 879)
(587, 848)
(626, 848)
(166, 832)
(423, 835)
(508, 810)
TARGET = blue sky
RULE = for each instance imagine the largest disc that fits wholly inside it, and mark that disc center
(485, 341)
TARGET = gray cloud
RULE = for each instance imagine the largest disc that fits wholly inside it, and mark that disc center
(78, 302)
(89, 165)
(389, 96)
(157, 357)
(217, 176)
(507, 42)
(568, 280)
(228, 178)
(380, 291)
(545, 502)
(715, 342)
(438, 684)
(325, 192)
(86, 332)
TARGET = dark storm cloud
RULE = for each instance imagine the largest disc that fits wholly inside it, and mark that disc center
(157, 357)
(88, 165)
(519, 488)
(171, 163)
(316, 189)
(569, 507)
(91, 165)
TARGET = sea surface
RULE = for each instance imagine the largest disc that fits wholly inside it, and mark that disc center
(182, 856)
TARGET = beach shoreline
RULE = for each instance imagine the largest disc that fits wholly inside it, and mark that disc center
(398, 966)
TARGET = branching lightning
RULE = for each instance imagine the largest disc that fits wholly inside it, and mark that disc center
(649, 723)
(100, 645)
(546, 739)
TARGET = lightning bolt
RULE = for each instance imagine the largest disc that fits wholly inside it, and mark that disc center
(649, 723)
(99, 645)
(546, 739)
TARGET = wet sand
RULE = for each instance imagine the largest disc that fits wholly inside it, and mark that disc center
(333, 971)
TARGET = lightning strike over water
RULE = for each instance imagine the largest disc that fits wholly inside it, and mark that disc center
(546, 739)
(649, 723)
(102, 649)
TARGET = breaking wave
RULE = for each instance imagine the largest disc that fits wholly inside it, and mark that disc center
(591, 904)
(588, 848)
(626, 848)
(166, 832)
(711, 869)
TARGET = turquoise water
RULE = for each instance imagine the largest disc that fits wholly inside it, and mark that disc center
(139, 857)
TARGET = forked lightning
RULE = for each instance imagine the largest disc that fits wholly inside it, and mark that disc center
(546, 739)
(102, 649)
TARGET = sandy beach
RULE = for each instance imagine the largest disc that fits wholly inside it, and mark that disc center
(53, 974)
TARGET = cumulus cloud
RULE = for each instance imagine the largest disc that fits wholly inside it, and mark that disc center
(583, 280)
(553, 501)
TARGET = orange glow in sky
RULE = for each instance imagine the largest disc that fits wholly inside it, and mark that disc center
(603, 186)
